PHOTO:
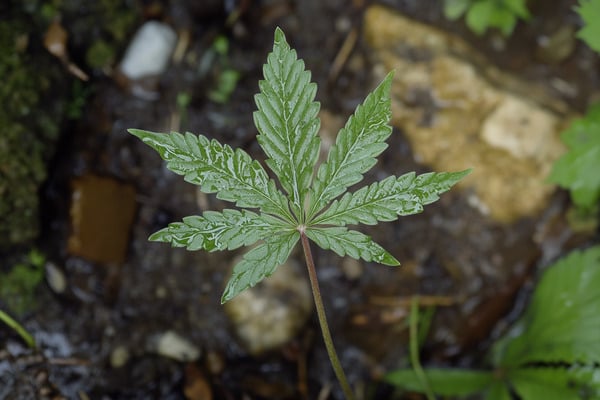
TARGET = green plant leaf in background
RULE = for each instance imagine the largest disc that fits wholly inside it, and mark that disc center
(454, 9)
(577, 170)
(18, 286)
(589, 10)
(562, 322)
(551, 353)
(556, 383)
(484, 14)
(444, 382)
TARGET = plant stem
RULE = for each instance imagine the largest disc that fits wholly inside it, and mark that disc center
(414, 348)
(8, 320)
(314, 283)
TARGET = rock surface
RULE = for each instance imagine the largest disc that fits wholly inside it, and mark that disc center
(460, 112)
(102, 211)
(149, 52)
(172, 345)
(268, 315)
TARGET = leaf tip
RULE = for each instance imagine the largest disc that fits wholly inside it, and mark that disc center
(279, 35)
(136, 132)
(391, 261)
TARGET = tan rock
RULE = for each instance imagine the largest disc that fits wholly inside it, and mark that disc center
(271, 313)
(460, 112)
(102, 211)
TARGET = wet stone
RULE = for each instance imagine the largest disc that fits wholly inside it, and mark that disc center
(56, 278)
(119, 357)
(149, 52)
(458, 111)
(102, 211)
(172, 345)
(270, 314)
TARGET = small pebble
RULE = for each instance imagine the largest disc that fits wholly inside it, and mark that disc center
(119, 357)
(56, 278)
(149, 52)
(270, 314)
(172, 345)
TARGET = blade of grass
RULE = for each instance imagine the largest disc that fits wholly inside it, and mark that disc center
(26, 336)
(414, 347)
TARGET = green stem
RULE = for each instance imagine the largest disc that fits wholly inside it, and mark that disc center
(414, 347)
(314, 283)
(7, 319)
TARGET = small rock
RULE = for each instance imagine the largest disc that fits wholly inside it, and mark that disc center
(56, 278)
(196, 386)
(557, 46)
(268, 315)
(353, 269)
(102, 211)
(215, 362)
(149, 52)
(172, 345)
(119, 357)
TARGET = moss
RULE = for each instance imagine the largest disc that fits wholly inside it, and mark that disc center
(27, 131)
(17, 287)
(37, 94)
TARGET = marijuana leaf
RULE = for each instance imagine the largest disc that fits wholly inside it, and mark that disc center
(390, 198)
(356, 148)
(287, 123)
(287, 120)
(215, 231)
(260, 262)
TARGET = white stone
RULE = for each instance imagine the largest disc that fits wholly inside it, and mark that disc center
(172, 345)
(149, 52)
(56, 278)
(119, 357)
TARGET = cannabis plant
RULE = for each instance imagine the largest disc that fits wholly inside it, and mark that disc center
(552, 352)
(310, 202)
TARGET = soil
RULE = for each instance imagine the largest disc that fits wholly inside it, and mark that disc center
(115, 307)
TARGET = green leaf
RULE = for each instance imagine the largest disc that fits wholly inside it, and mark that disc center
(575, 383)
(217, 168)
(454, 9)
(501, 14)
(390, 198)
(444, 382)
(577, 170)
(216, 231)
(498, 391)
(479, 15)
(518, 8)
(287, 120)
(589, 10)
(562, 322)
(355, 244)
(260, 262)
(504, 20)
(356, 148)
